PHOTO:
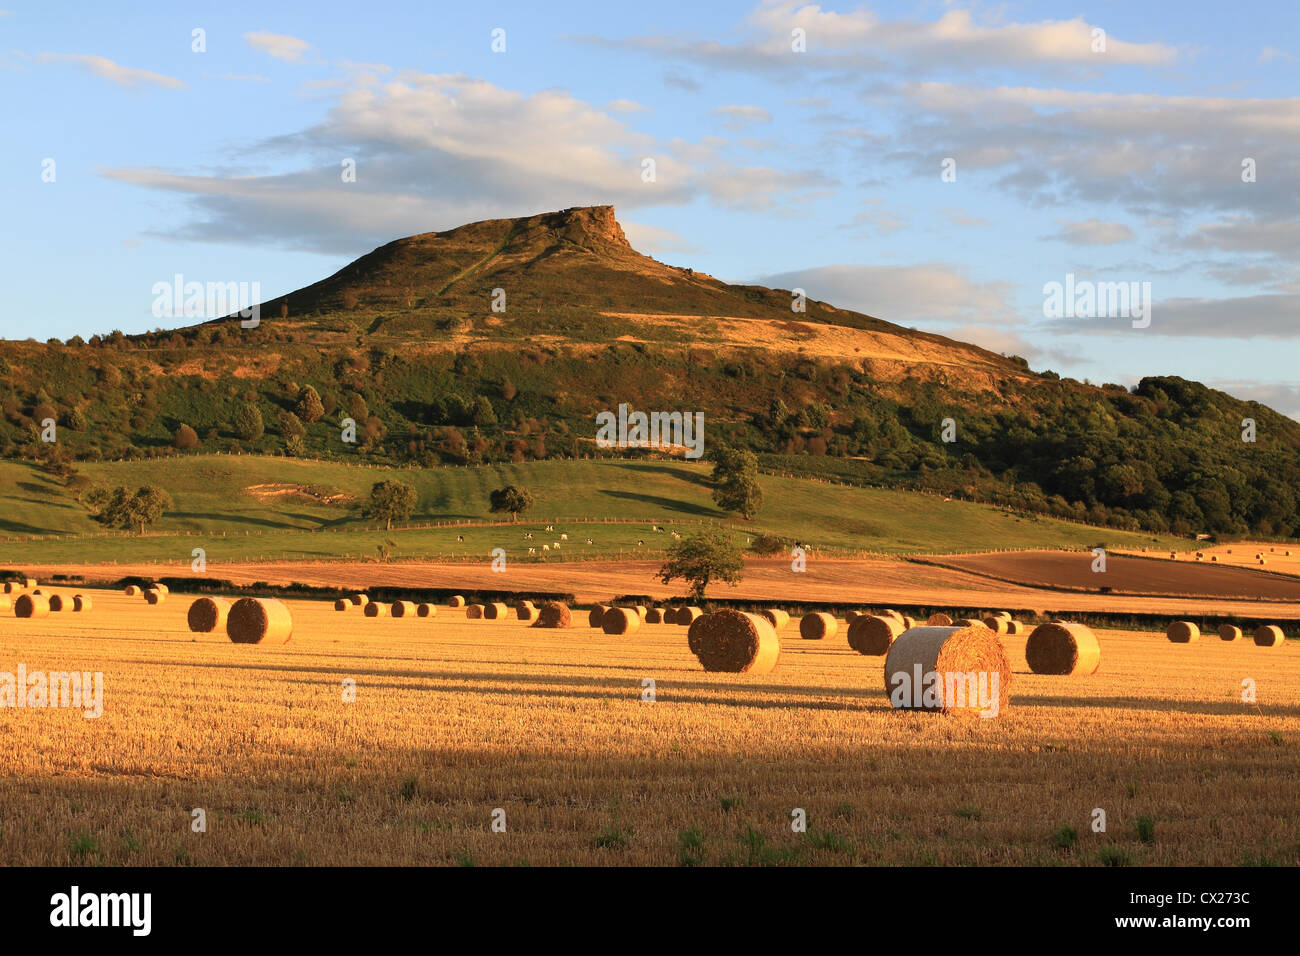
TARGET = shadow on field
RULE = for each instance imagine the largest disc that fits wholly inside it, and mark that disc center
(1216, 708)
(668, 504)
(240, 519)
(689, 477)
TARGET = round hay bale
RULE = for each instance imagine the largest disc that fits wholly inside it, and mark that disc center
(342, 604)
(5, 603)
(402, 609)
(1269, 635)
(81, 603)
(944, 659)
(526, 611)
(1229, 632)
(39, 591)
(620, 620)
(457, 600)
(254, 620)
(817, 625)
(641, 611)
(208, 614)
(654, 615)
(59, 603)
(554, 614)
(852, 614)
(968, 622)
(426, 610)
(162, 588)
(939, 619)
(1005, 615)
(32, 605)
(733, 642)
(596, 615)
(873, 635)
(686, 616)
(15, 587)
(777, 618)
(496, 611)
(1063, 649)
(359, 599)
(154, 596)
(30, 583)
(1016, 627)
(474, 612)
(998, 625)
(1183, 632)
(1214, 557)
(375, 609)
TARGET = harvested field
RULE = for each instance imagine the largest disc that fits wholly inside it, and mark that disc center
(561, 741)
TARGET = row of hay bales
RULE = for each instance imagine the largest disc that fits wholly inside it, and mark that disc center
(246, 621)
(36, 603)
(627, 620)
(1187, 632)
(18, 587)
(153, 595)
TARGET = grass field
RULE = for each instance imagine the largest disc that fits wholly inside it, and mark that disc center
(214, 509)
(454, 719)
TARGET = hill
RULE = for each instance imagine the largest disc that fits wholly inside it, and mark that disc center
(405, 341)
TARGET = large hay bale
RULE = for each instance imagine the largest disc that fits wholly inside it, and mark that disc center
(734, 642)
(939, 619)
(342, 604)
(30, 583)
(359, 599)
(402, 609)
(998, 625)
(154, 596)
(817, 625)
(968, 622)
(596, 615)
(474, 612)
(620, 620)
(641, 611)
(526, 611)
(1060, 648)
(162, 588)
(59, 603)
(254, 620)
(1229, 632)
(16, 587)
(689, 615)
(654, 615)
(873, 634)
(208, 614)
(81, 603)
(1016, 627)
(953, 661)
(426, 610)
(457, 600)
(1269, 635)
(1183, 632)
(375, 609)
(777, 618)
(554, 614)
(32, 605)
(496, 611)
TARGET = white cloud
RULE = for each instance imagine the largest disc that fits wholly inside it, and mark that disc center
(655, 239)
(114, 72)
(738, 117)
(625, 106)
(279, 45)
(1093, 232)
(1271, 53)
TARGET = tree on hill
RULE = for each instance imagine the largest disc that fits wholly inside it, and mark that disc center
(291, 426)
(120, 508)
(389, 500)
(511, 500)
(186, 438)
(735, 481)
(701, 558)
(248, 422)
(309, 408)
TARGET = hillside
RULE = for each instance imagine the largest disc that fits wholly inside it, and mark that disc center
(246, 507)
(405, 342)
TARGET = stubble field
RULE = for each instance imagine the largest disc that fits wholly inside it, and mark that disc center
(455, 719)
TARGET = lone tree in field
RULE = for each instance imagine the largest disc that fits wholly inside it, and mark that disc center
(119, 508)
(389, 500)
(510, 499)
(186, 438)
(701, 558)
(735, 481)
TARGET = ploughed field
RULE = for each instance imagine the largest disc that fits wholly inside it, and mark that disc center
(1126, 574)
(454, 719)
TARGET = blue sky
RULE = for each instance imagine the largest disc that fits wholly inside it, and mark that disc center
(819, 169)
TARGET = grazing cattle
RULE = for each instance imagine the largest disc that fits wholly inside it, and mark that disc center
(546, 547)
(550, 527)
(532, 550)
(460, 537)
(588, 541)
(639, 541)
(564, 537)
(555, 546)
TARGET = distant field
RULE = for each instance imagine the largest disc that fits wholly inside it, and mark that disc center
(454, 719)
(284, 516)
(1129, 575)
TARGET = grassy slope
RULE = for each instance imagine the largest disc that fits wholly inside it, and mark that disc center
(211, 500)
